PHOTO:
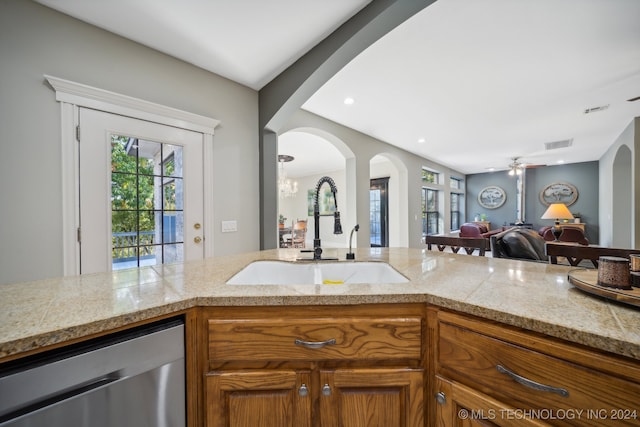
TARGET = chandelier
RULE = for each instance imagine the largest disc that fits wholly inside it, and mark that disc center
(286, 187)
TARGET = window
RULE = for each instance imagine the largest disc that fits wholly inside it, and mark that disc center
(430, 177)
(430, 214)
(457, 202)
(455, 183)
(456, 208)
(146, 202)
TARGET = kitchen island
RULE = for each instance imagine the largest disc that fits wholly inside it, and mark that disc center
(464, 333)
(530, 295)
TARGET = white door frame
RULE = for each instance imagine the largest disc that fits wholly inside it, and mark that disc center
(73, 95)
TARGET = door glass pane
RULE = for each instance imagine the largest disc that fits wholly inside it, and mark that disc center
(146, 201)
(169, 193)
(173, 253)
(145, 191)
(374, 218)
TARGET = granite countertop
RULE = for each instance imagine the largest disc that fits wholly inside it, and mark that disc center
(531, 295)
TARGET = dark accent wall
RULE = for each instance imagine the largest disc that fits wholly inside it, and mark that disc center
(584, 176)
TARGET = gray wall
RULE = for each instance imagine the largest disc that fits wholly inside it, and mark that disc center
(584, 176)
(34, 41)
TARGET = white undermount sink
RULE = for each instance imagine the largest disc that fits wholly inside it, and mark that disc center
(316, 273)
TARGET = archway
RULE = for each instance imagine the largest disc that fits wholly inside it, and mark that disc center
(622, 199)
(317, 153)
(385, 165)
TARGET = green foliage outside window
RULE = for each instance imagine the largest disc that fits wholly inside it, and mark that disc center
(130, 192)
(430, 177)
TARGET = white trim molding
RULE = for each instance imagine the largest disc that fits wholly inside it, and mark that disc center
(104, 100)
(73, 95)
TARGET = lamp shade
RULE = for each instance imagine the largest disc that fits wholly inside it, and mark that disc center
(557, 211)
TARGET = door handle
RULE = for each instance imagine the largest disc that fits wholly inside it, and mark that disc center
(197, 239)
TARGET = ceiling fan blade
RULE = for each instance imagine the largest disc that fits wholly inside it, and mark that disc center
(633, 99)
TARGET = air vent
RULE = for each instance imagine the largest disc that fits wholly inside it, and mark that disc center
(596, 109)
(558, 144)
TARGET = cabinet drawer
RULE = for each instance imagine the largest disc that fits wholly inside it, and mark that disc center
(371, 338)
(544, 382)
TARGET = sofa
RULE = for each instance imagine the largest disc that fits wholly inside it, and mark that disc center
(473, 230)
(519, 243)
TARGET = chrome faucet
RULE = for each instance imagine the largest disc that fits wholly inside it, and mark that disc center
(337, 227)
(350, 254)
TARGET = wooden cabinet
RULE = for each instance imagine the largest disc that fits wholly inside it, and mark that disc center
(258, 398)
(315, 366)
(372, 397)
(461, 406)
(496, 375)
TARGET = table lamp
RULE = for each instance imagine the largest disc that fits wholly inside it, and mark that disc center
(557, 211)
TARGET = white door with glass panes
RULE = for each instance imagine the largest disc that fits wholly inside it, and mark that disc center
(141, 193)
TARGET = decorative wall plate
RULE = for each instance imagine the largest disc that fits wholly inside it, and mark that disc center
(559, 192)
(492, 197)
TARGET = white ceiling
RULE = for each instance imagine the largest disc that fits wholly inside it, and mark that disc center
(481, 81)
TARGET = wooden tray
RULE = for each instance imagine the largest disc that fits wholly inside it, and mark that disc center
(587, 280)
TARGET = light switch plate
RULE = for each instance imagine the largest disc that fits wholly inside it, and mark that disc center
(229, 226)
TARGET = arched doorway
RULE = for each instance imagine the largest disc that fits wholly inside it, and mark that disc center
(622, 199)
(388, 207)
(317, 154)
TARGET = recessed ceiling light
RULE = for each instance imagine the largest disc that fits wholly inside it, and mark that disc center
(349, 101)
(421, 140)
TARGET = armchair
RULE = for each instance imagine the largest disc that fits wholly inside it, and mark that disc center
(569, 234)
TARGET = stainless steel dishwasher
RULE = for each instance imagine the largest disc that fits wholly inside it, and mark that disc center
(134, 378)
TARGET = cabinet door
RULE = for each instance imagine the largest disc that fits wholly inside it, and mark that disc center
(390, 397)
(258, 398)
(461, 406)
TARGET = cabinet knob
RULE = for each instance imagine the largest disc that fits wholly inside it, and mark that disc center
(441, 398)
(326, 390)
(303, 390)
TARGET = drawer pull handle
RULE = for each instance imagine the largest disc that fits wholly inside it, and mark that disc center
(532, 384)
(315, 344)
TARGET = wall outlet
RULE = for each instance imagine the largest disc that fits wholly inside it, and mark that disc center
(229, 226)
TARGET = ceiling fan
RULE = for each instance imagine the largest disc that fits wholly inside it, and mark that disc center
(516, 166)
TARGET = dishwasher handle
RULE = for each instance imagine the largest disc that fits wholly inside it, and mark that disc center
(63, 395)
